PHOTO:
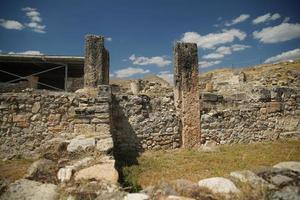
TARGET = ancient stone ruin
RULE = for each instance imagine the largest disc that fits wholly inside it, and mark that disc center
(84, 135)
(96, 63)
(186, 92)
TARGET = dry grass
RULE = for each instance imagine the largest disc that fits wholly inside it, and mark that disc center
(14, 169)
(194, 165)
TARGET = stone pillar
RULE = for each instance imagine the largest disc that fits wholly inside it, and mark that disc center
(186, 92)
(96, 63)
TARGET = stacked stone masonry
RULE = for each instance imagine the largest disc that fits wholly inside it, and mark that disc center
(141, 122)
(30, 119)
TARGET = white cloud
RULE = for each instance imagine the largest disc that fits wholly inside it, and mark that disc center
(205, 64)
(288, 55)
(29, 52)
(156, 60)
(36, 27)
(11, 24)
(225, 50)
(130, 71)
(213, 56)
(211, 40)
(167, 76)
(266, 18)
(279, 33)
(239, 19)
(109, 39)
(286, 19)
(35, 20)
(239, 47)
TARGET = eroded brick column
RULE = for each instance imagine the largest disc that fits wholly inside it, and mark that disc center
(96, 63)
(186, 92)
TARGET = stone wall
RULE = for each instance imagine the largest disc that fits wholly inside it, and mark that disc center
(32, 118)
(242, 118)
(144, 123)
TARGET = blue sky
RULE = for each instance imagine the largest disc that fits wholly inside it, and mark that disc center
(140, 34)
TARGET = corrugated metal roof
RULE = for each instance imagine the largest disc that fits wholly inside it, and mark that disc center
(41, 59)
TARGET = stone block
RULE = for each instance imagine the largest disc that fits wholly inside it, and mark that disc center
(83, 143)
(98, 121)
(105, 145)
(84, 129)
(102, 115)
(54, 119)
(206, 96)
(20, 118)
(263, 111)
(64, 174)
(36, 107)
(81, 120)
(100, 172)
(104, 91)
(102, 108)
(274, 106)
(103, 128)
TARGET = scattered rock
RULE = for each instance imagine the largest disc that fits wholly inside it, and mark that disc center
(65, 174)
(209, 146)
(136, 196)
(248, 176)
(100, 172)
(279, 180)
(292, 165)
(287, 193)
(24, 189)
(219, 185)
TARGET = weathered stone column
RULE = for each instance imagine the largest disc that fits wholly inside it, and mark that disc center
(186, 92)
(96, 63)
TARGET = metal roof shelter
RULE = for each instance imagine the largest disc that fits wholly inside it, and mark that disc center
(52, 72)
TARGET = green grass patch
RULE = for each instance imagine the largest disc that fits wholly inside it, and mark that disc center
(154, 167)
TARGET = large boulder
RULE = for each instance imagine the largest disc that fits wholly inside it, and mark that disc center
(24, 189)
(247, 176)
(219, 185)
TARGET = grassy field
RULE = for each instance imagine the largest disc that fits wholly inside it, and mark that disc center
(193, 165)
